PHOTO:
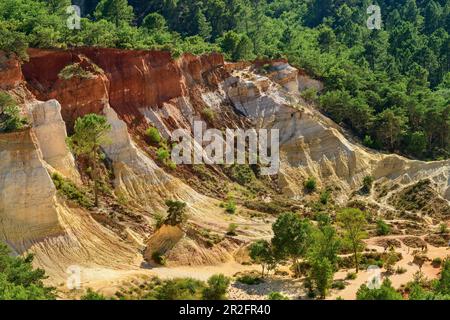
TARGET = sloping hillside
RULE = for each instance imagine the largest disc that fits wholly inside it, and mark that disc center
(137, 90)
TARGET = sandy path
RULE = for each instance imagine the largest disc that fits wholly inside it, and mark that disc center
(398, 280)
(109, 281)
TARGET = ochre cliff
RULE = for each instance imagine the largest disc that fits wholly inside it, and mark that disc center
(139, 89)
(27, 197)
(131, 80)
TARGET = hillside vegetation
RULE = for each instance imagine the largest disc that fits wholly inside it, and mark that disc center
(390, 86)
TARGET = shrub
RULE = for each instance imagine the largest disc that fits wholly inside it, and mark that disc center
(230, 206)
(10, 118)
(176, 212)
(368, 141)
(276, 296)
(159, 220)
(400, 270)
(443, 228)
(179, 289)
(70, 190)
(350, 276)
(171, 165)
(153, 135)
(92, 295)
(385, 292)
(162, 154)
(77, 70)
(232, 227)
(242, 174)
(310, 94)
(310, 184)
(383, 228)
(436, 263)
(19, 280)
(367, 184)
(217, 288)
(208, 114)
(338, 284)
(159, 258)
(325, 197)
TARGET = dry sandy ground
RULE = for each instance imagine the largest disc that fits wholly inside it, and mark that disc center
(109, 281)
(364, 276)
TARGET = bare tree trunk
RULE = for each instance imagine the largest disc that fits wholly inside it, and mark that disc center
(95, 177)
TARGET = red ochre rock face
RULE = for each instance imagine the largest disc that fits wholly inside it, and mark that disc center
(10, 72)
(129, 80)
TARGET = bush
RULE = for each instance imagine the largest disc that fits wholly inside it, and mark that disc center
(367, 184)
(92, 295)
(443, 228)
(159, 220)
(383, 228)
(159, 258)
(10, 118)
(242, 174)
(400, 270)
(176, 212)
(385, 292)
(217, 288)
(338, 284)
(162, 154)
(70, 190)
(153, 135)
(230, 206)
(77, 70)
(276, 296)
(350, 276)
(208, 114)
(368, 141)
(437, 262)
(232, 227)
(19, 280)
(325, 197)
(310, 184)
(249, 279)
(179, 289)
(310, 94)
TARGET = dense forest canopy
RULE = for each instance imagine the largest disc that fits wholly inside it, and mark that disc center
(391, 86)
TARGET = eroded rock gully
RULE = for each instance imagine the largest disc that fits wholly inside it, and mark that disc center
(138, 89)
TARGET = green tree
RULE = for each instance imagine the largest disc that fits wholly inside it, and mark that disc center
(176, 212)
(116, 11)
(390, 127)
(244, 49)
(10, 117)
(292, 236)
(385, 292)
(90, 133)
(19, 280)
(325, 243)
(261, 252)
(383, 228)
(443, 284)
(353, 222)
(432, 16)
(154, 22)
(322, 258)
(367, 184)
(321, 273)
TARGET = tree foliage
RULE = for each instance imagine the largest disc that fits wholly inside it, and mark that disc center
(19, 280)
(90, 133)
